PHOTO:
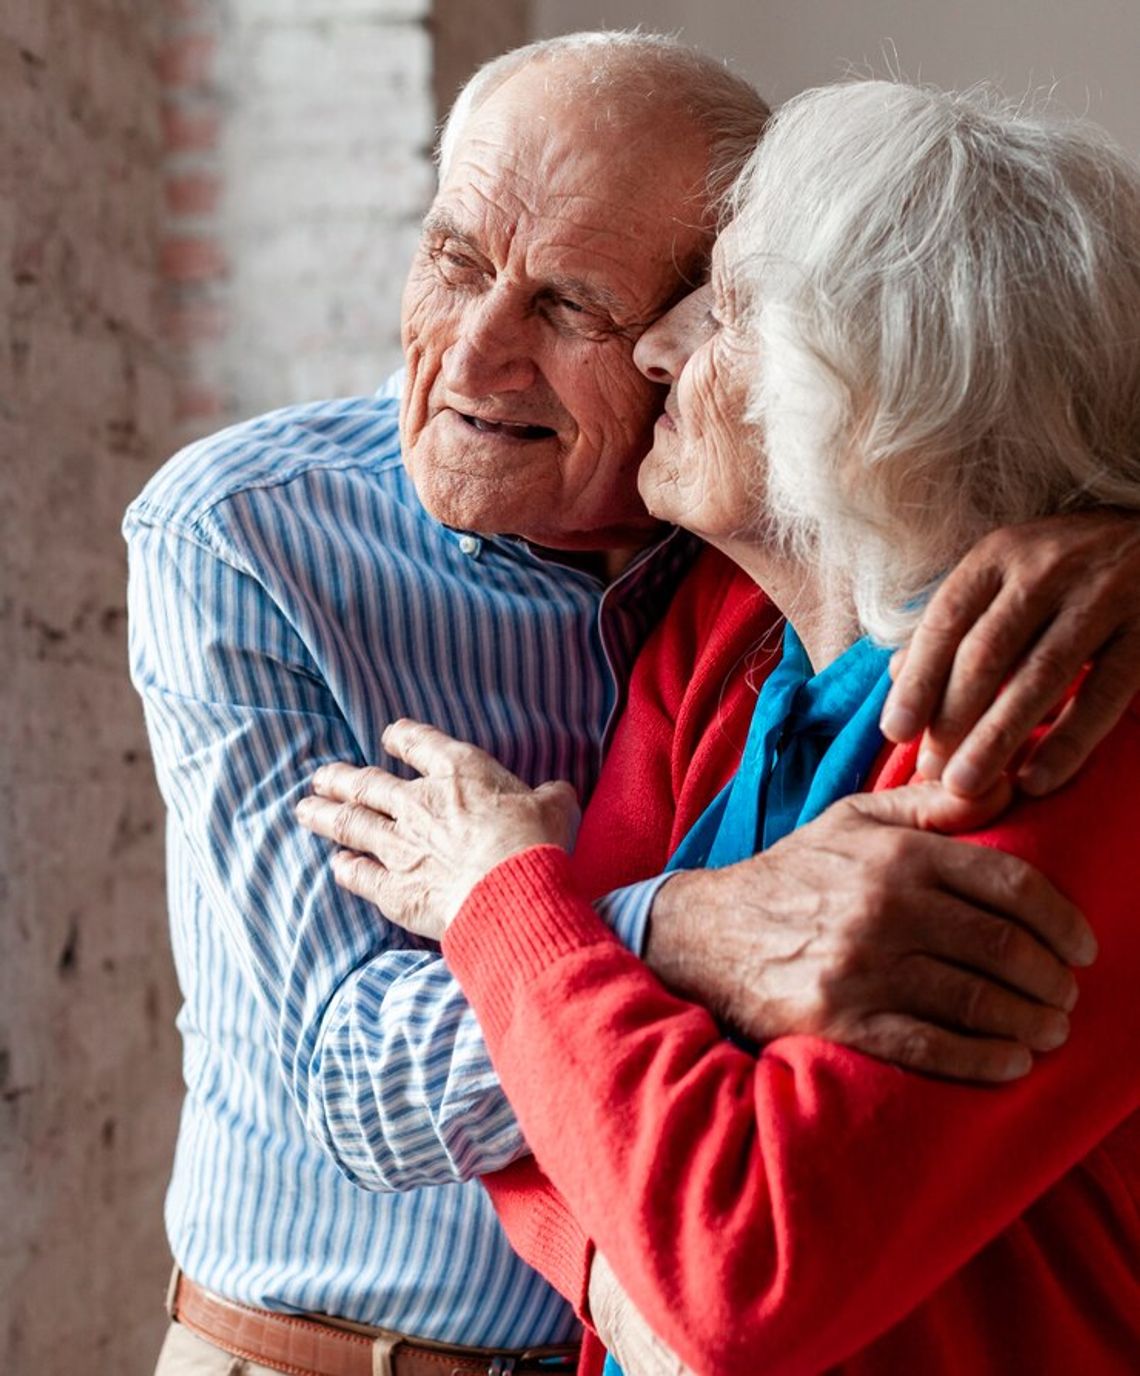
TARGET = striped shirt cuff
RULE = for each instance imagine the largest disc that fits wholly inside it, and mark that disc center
(626, 911)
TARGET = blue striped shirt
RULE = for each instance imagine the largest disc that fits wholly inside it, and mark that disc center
(289, 596)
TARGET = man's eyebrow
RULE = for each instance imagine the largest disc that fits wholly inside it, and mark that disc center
(442, 222)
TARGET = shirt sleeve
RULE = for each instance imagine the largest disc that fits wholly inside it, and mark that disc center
(376, 1043)
(794, 1168)
(626, 911)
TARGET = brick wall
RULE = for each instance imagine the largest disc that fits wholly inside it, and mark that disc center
(297, 138)
(88, 1056)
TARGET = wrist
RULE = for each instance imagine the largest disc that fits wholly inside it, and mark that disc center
(480, 868)
(682, 948)
(708, 940)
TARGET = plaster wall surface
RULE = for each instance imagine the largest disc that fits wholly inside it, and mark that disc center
(1084, 55)
(207, 208)
(89, 1083)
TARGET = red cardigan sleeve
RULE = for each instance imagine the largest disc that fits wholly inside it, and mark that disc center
(689, 705)
(799, 1203)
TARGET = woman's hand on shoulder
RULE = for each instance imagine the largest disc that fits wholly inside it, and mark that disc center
(417, 847)
(1028, 607)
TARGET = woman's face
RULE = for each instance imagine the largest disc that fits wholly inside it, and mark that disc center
(705, 470)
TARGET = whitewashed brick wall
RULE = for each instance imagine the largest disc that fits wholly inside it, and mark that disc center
(298, 169)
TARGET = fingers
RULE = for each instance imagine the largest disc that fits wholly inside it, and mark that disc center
(1085, 720)
(431, 751)
(986, 658)
(353, 825)
(361, 875)
(997, 947)
(370, 787)
(917, 1045)
(930, 807)
(965, 1000)
(977, 753)
(1012, 888)
(923, 672)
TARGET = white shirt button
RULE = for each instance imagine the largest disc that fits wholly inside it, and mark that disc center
(468, 544)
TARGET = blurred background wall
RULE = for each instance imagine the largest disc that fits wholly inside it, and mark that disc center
(1085, 53)
(206, 209)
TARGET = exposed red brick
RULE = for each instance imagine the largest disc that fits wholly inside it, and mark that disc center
(200, 12)
(187, 61)
(190, 131)
(194, 322)
(193, 193)
(198, 402)
(192, 258)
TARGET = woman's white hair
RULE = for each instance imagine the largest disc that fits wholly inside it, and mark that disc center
(946, 294)
(640, 67)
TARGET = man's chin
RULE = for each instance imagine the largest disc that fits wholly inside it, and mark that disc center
(498, 508)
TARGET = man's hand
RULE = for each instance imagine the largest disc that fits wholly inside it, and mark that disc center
(866, 928)
(1030, 604)
(634, 1345)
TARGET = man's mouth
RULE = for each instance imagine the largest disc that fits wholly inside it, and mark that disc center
(508, 428)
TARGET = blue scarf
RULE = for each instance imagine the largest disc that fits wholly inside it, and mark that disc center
(813, 740)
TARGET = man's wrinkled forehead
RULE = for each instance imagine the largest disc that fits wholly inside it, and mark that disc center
(534, 162)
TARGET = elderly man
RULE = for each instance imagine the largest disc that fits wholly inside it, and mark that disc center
(485, 564)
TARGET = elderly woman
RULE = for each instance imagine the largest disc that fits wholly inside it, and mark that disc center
(921, 324)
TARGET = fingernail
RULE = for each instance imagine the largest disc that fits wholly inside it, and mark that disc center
(1034, 779)
(304, 807)
(1020, 1063)
(962, 777)
(320, 777)
(1069, 1002)
(929, 763)
(1087, 950)
(1054, 1033)
(898, 723)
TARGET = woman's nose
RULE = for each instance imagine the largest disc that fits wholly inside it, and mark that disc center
(664, 348)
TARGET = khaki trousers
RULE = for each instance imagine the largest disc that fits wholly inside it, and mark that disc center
(185, 1354)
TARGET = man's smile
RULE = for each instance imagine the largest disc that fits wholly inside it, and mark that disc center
(507, 429)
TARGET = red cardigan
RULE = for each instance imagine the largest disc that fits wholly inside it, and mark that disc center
(809, 1207)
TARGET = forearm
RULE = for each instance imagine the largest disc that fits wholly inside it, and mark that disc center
(669, 1143)
(383, 1058)
(542, 1230)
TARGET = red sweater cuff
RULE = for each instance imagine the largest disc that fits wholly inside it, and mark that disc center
(543, 1230)
(517, 921)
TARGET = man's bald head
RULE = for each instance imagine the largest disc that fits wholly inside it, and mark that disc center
(626, 73)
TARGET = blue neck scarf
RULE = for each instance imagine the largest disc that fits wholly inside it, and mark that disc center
(813, 740)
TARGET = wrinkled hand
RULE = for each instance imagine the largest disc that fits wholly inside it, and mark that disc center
(416, 848)
(617, 1321)
(1031, 604)
(866, 928)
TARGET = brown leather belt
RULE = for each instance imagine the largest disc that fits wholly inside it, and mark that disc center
(308, 1347)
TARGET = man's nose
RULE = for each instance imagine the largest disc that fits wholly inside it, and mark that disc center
(493, 351)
